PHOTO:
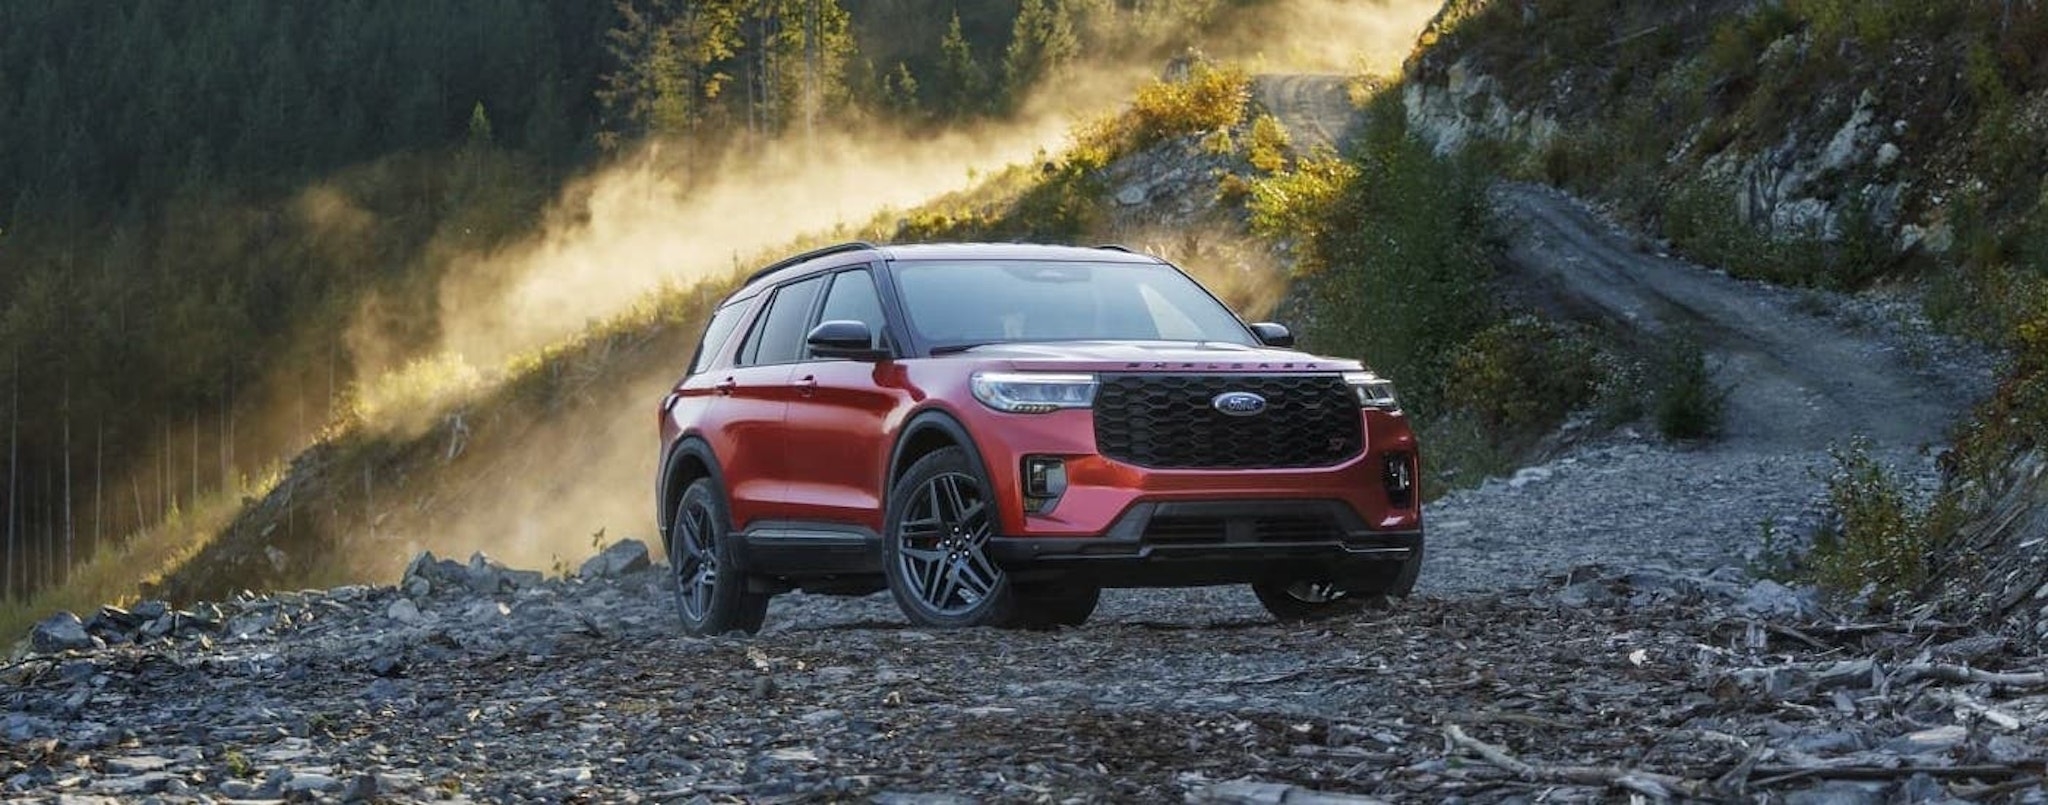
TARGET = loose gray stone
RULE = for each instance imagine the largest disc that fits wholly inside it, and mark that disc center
(1930, 741)
(618, 559)
(60, 632)
(405, 611)
(1768, 598)
(137, 764)
(312, 783)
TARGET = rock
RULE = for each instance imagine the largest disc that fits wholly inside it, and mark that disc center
(60, 632)
(524, 579)
(1585, 594)
(1840, 793)
(361, 788)
(312, 783)
(572, 774)
(1937, 740)
(386, 665)
(420, 567)
(111, 617)
(150, 610)
(208, 616)
(22, 728)
(137, 764)
(618, 559)
(484, 575)
(1529, 475)
(1132, 195)
(1887, 155)
(1251, 792)
(1768, 598)
(251, 623)
(161, 627)
(920, 798)
(405, 611)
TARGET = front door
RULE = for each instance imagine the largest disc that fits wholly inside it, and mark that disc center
(838, 416)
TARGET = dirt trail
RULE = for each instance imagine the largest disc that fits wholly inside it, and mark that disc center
(1799, 382)
(1316, 108)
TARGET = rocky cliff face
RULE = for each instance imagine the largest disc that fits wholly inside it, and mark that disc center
(1801, 133)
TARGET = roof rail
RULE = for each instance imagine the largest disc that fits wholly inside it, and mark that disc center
(849, 246)
(1116, 247)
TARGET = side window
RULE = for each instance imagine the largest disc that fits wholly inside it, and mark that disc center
(853, 298)
(779, 335)
(717, 334)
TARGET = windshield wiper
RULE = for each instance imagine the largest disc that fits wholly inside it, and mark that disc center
(949, 349)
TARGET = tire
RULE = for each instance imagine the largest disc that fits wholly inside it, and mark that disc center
(934, 541)
(1297, 600)
(1050, 606)
(710, 589)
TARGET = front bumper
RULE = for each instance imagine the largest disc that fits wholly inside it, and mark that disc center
(1163, 544)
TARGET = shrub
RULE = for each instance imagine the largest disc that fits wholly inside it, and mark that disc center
(1296, 204)
(1522, 375)
(1686, 402)
(1404, 257)
(1269, 144)
(1210, 98)
(1878, 541)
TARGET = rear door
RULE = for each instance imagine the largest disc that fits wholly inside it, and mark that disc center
(755, 395)
(838, 419)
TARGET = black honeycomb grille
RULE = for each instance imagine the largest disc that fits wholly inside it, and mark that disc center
(1168, 421)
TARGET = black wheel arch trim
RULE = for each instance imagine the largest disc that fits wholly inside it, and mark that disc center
(931, 418)
(693, 446)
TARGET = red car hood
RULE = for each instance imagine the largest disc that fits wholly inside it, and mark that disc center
(1154, 356)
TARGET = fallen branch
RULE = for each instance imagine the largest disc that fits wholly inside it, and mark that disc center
(1963, 674)
(1782, 630)
(1649, 784)
(1779, 774)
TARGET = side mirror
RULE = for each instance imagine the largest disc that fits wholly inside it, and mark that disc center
(841, 338)
(1273, 335)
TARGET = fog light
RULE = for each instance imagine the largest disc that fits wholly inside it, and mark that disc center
(1045, 479)
(1045, 476)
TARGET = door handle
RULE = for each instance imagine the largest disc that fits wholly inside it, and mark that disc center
(725, 387)
(807, 386)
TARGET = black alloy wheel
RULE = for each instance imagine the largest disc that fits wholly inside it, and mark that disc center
(710, 589)
(935, 551)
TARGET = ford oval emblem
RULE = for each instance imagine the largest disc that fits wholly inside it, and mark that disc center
(1239, 403)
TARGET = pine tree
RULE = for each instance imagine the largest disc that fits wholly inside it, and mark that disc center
(1042, 44)
(963, 84)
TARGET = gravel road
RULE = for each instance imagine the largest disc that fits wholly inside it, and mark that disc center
(1583, 632)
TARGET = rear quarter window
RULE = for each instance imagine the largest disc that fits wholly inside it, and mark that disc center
(716, 335)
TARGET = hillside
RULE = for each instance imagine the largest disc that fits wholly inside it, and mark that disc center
(1894, 148)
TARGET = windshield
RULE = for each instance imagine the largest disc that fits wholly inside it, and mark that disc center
(959, 304)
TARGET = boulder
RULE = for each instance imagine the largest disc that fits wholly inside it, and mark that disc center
(60, 632)
(620, 558)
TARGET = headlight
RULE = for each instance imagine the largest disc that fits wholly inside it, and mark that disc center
(1373, 391)
(1032, 393)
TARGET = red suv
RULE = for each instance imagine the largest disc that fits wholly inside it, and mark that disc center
(996, 432)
